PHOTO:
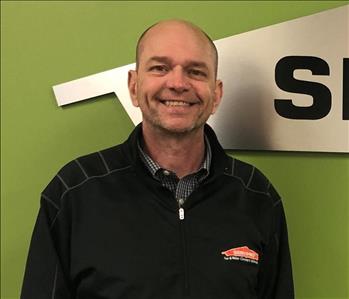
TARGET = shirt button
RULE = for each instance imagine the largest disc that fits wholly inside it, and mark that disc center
(180, 201)
(166, 172)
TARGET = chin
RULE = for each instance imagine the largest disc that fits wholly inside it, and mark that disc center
(178, 129)
(174, 126)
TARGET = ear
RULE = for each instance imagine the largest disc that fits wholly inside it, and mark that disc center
(132, 87)
(218, 94)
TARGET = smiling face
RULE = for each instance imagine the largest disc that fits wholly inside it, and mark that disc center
(175, 85)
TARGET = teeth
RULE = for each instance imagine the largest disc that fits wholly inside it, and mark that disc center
(175, 103)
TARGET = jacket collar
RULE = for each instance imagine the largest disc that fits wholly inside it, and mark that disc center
(219, 163)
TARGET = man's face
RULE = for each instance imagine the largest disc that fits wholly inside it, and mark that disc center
(175, 85)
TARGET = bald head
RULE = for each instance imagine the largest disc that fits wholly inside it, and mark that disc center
(176, 25)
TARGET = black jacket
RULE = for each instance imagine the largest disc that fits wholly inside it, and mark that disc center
(107, 230)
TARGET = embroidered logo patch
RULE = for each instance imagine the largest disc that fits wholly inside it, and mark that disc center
(243, 253)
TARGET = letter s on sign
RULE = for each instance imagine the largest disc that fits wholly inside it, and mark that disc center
(284, 80)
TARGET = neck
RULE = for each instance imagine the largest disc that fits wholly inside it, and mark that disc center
(181, 153)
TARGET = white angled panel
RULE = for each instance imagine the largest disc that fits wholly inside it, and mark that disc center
(247, 118)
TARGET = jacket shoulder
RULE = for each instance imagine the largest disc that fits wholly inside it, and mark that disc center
(81, 169)
(252, 178)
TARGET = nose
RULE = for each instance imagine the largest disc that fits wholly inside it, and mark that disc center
(177, 80)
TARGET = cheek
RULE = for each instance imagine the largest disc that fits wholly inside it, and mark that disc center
(208, 96)
(149, 86)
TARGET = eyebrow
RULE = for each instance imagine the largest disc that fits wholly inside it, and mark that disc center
(167, 60)
(159, 59)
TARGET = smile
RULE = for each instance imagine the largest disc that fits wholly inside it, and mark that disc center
(176, 103)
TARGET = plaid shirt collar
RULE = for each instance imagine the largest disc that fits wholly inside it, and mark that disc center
(155, 168)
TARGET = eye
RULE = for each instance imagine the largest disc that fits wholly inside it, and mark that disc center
(159, 68)
(197, 73)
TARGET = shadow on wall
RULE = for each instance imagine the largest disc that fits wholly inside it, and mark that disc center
(242, 121)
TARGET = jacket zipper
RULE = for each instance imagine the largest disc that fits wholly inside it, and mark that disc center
(181, 213)
(184, 246)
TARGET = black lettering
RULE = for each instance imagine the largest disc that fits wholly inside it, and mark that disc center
(346, 88)
(284, 80)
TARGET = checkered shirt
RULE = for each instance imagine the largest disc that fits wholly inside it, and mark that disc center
(181, 188)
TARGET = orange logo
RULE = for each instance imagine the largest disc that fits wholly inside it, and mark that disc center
(241, 253)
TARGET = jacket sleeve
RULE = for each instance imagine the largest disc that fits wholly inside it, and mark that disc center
(47, 264)
(275, 276)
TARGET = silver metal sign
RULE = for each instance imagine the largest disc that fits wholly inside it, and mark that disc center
(285, 86)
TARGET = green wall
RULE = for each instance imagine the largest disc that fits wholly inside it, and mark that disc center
(46, 43)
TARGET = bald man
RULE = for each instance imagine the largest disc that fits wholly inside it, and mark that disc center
(166, 214)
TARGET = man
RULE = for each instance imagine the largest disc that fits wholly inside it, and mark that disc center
(167, 214)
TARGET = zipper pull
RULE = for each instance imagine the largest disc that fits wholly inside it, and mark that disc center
(181, 214)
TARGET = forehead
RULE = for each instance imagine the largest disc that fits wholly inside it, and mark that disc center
(176, 41)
